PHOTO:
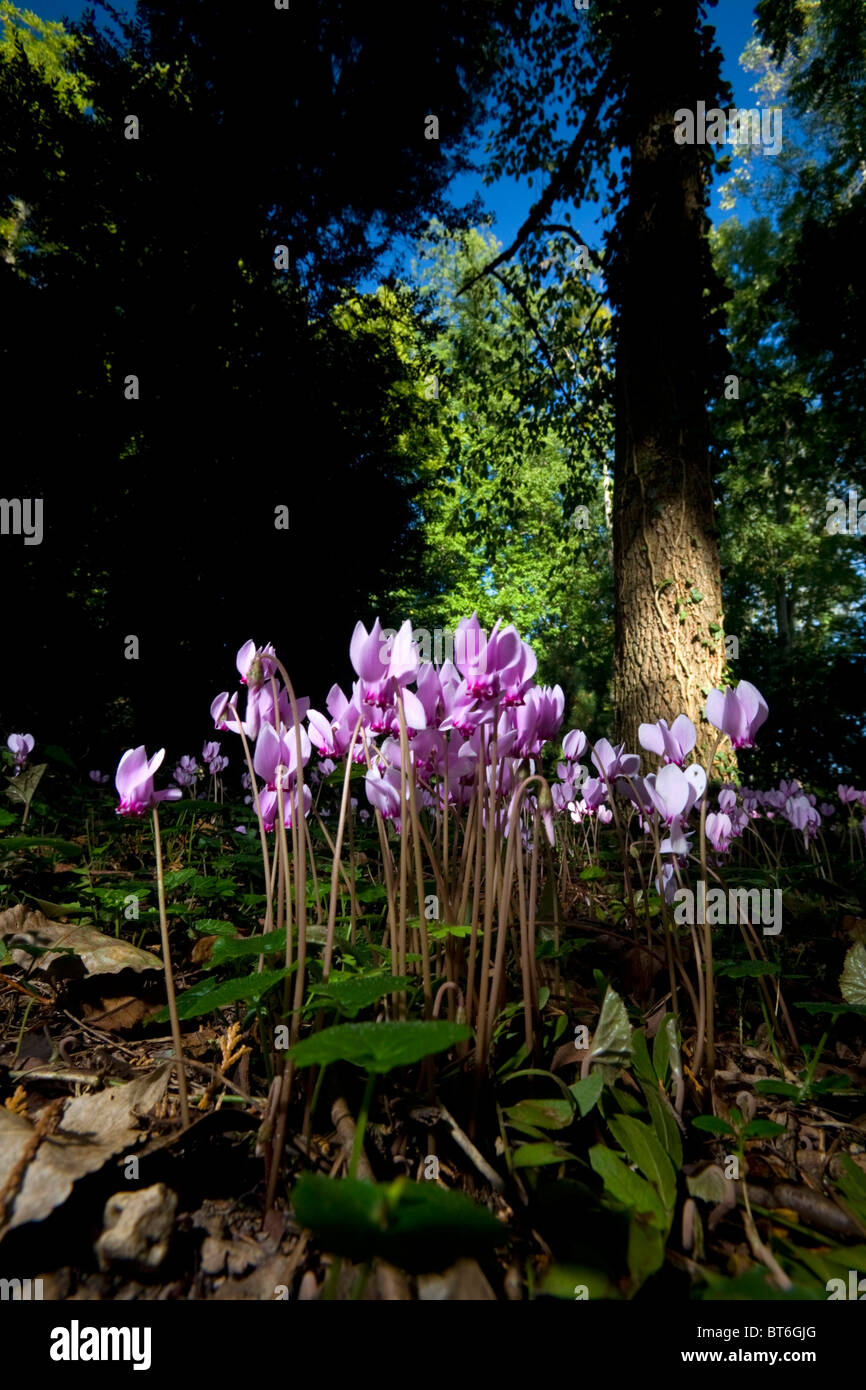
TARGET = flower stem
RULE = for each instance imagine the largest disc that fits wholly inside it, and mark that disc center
(361, 1124)
(169, 979)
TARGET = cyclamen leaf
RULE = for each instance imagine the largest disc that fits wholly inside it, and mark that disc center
(852, 983)
(611, 1046)
(762, 1129)
(379, 1047)
(15, 842)
(748, 969)
(777, 1088)
(23, 787)
(713, 1124)
(627, 1187)
(206, 996)
(232, 947)
(587, 1091)
(351, 993)
(415, 1226)
(539, 1155)
(545, 1114)
(644, 1149)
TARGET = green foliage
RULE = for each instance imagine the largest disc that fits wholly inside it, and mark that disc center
(611, 1044)
(796, 438)
(204, 997)
(520, 429)
(417, 1227)
(379, 1047)
(349, 994)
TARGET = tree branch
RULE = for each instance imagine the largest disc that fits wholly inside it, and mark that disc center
(560, 179)
(531, 319)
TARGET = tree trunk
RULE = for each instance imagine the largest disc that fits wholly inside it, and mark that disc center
(669, 644)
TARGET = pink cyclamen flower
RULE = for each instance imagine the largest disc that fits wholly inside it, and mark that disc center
(673, 793)
(574, 745)
(719, 831)
(134, 782)
(382, 786)
(803, 816)
(322, 735)
(613, 762)
(21, 745)
(673, 744)
(269, 801)
(500, 665)
(186, 772)
(255, 664)
(738, 713)
(386, 665)
(100, 778)
(276, 754)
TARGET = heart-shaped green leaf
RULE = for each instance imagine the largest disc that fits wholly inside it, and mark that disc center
(205, 996)
(352, 993)
(415, 1226)
(379, 1047)
(545, 1114)
(587, 1091)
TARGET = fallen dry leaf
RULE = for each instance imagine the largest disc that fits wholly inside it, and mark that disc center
(91, 1130)
(202, 949)
(117, 1014)
(99, 954)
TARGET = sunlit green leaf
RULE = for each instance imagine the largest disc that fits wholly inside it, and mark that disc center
(379, 1047)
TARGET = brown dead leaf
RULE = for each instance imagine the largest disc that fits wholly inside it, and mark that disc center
(202, 949)
(91, 1130)
(566, 1055)
(98, 953)
(117, 1014)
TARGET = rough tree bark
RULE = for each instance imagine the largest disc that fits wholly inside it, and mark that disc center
(669, 644)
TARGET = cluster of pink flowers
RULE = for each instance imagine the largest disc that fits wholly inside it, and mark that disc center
(458, 716)
(666, 798)
(188, 771)
(789, 801)
(463, 718)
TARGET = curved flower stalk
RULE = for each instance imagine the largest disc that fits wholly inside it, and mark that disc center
(738, 714)
(134, 782)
